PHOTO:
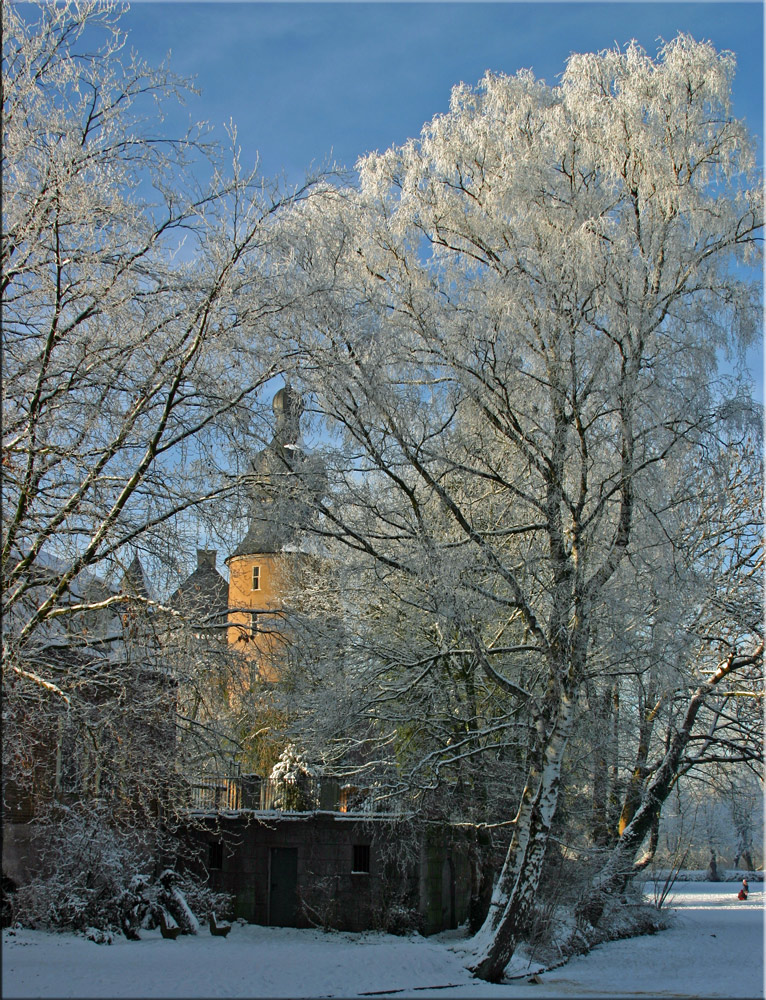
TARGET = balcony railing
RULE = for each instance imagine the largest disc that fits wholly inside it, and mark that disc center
(250, 791)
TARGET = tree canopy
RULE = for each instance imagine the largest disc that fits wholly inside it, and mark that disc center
(519, 352)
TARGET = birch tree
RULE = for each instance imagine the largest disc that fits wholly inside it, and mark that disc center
(526, 312)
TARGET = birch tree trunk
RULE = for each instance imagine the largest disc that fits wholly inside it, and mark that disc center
(515, 892)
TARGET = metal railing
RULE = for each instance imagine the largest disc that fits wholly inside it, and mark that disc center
(233, 791)
(215, 792)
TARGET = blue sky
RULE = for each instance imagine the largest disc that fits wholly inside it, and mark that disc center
(308, 81)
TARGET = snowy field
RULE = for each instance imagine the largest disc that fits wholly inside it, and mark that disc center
(714, 949)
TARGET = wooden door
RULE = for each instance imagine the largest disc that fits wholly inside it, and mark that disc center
(283, 886)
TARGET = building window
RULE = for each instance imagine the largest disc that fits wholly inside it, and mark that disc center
(256, 577)
(215, 854)
(361, 859)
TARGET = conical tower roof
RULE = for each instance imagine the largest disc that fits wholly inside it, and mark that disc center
(280, 491)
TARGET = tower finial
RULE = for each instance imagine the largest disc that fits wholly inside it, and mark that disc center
(288, 407)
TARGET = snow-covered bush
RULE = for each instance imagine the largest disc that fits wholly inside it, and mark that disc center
(188, 901)
(173, 901)
(86, 872)
(98, 936)
(93, 878)
(202, 900)
(292, 766)
(402, 920)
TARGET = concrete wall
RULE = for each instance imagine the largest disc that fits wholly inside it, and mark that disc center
(329, 891)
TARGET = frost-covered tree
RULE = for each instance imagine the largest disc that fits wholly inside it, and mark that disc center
(699, 684)
(689, 592)
(516, 327)
(133, 264)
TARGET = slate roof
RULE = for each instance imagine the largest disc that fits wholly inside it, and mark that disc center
(134, 582)
(205, 591)
(273, 497)
(284, 482)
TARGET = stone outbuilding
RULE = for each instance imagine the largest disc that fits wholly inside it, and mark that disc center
(335, 870)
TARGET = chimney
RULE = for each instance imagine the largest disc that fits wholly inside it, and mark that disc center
(206, 558)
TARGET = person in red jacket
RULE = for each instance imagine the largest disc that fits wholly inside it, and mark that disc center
(742, 894)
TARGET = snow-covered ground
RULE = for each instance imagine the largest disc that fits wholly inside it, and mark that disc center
(714, 949)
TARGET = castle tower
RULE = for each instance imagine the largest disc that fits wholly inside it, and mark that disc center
(265, 563)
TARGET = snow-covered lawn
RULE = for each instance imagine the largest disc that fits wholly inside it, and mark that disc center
(714, 949)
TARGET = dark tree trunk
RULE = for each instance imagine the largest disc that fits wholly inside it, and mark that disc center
(602, 832)
(481, 880)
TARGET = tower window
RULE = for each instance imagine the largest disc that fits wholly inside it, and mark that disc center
(256, 577)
